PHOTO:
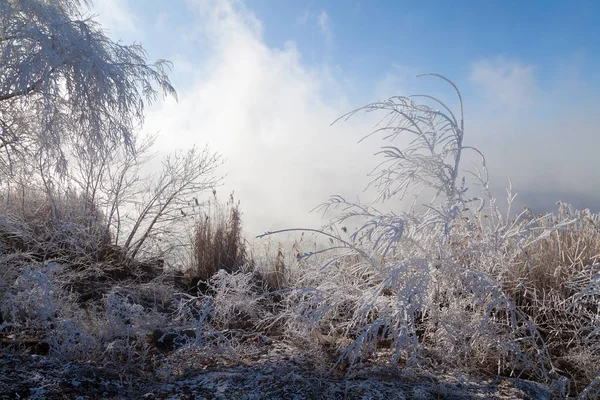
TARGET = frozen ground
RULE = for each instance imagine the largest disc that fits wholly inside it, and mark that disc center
(277, 371)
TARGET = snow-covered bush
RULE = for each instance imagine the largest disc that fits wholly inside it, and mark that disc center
(451, 277)
(36, 300)
(235, 299)
(38, 305)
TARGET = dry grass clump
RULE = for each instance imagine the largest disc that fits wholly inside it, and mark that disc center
(558, 254)
(218, 242)
(51, 224)
(554, 280)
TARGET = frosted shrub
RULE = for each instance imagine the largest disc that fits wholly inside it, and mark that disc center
(123, 330)
(37, 304)
(452, 277)
(123, 314)
(69, 341)
(426, 278)
(36, 300)
(235, 301)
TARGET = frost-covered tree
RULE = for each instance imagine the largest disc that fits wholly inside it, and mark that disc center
(61, 77)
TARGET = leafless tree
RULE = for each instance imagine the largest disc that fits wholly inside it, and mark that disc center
(161, 207)
(61, 77)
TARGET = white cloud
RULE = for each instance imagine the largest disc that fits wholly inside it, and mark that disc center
(506, 82)
(265, 112)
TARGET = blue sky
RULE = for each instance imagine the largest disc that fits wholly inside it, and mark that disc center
(262, 80)
(369, 37)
